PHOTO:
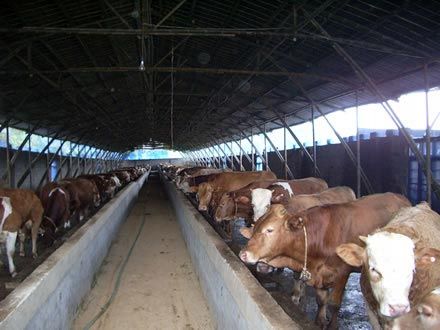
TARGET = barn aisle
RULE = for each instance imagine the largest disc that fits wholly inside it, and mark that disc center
(158, 289)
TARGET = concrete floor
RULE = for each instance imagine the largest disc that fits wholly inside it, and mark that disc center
(159, 289)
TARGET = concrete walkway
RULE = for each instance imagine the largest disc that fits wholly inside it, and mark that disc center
(159, 289)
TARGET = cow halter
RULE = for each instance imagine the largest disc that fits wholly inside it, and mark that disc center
(305, 274)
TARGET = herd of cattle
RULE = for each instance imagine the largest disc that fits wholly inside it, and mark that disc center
(58, 206)
(325, 234)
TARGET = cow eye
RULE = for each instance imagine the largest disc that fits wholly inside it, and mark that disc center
(375, 273)
(269, 230)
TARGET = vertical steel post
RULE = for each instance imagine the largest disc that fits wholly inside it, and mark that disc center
(47, 176)
(8, 158)
(31, 183)
(428, 139)
(241, 154)
(265, 148)
(313, 140)
(285, 152)
(234, 157)
(358, 151)
(252, 149)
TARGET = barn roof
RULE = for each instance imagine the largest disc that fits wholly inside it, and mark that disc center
(73, 68)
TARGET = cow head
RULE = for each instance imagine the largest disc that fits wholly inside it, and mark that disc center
(389, 260)
(226, 208)
(260, 202)
(426, 315)
(96, 196)
(204, 195)
(268, 237)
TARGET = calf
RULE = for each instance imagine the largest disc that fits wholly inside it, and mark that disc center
(396, 262)
(311, 237)
(25, 209)
(281, 192)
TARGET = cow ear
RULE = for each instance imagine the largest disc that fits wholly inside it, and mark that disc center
(294, 222)
(246, 232)
(276, 198)
(426, 256)
(352, 254)
(363, 239)
(242, 200)
(425, 310)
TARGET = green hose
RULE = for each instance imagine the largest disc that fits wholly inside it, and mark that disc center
(118, 281)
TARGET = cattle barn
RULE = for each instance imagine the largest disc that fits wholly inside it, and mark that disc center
(220, 164)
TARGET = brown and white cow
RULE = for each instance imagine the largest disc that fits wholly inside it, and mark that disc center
(229, 181)
(314, 234)
(397, 262)
(27, 212)
(281, 192)
(237, 204)
(57, 207)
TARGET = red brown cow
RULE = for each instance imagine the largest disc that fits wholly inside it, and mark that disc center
(311, 237)
(225, 182)
(399, 262)
(335, 195)
(188, 183)
(27, 212)
(106, 187)
(84, 195)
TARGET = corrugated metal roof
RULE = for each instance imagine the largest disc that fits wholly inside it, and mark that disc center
(67, 82)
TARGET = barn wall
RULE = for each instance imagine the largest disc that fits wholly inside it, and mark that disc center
(384, 160)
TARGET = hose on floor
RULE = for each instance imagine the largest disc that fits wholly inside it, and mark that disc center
(118, 280)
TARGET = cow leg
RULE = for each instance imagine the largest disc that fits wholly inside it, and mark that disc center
(34, 235)
(322, 296)
(22, 239)
(298, 291)
(11, 238)
(336, 300)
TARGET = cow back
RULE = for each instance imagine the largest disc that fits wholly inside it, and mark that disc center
(230, 181)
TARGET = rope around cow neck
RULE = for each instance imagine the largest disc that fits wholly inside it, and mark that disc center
(118, 279)
(305, 274)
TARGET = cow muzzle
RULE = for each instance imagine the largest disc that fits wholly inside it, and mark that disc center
(247, 257)
(203, 208)
(395, 310)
